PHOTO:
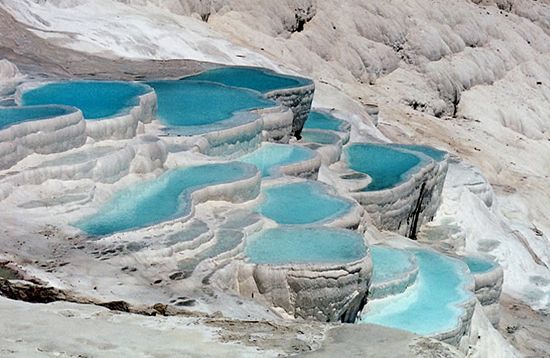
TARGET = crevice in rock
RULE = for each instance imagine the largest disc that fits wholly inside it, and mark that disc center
(35, 293)
(415, 215)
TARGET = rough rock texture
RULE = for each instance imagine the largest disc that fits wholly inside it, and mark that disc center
(298, 99)
(328, 293)
(125, 126)
(45, 136)
(405, 207)
(488, 287)
(9, 77)
(101, 164)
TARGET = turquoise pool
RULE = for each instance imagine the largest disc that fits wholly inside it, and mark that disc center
(385, 165)
(301, 203)
(321, 120)
(432, 305)
(162, 199)
(96, 99)
(393, 272)
(319, 137)
(305, 245)
(254, 78)
(479, 265)
(270, 157)
(14, 115)
(389, 263)
(435, 154)
(203, 105)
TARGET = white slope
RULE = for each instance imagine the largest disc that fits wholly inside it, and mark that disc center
(110, 28)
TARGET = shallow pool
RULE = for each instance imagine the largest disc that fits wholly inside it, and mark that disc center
(303, 245)
(429, 307)
(161, 199)
(432, 152)
(14, 115)
(202, 104)
(270, 157)
(478, 265)
(96, 99)
(257, 79)
(319, 137)
(389, 263)
(385, 165)
(321, 120)
(301, 203)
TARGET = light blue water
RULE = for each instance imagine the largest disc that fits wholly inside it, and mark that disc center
(197, 103)
(435, 154)
(96, 99)
(13, 115)
(429, 307)
(257, 79)
(478, 265)
(301, 245)
(320, 137)
(320, 120)
(386, 166)
(162, 199)
(301, 203)
(389, 263)
(271, 156)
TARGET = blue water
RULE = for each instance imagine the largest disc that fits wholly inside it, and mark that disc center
(96, 99)
(429, 307)
(386, 166)
(161, 199)
(436, 154)
(271, 156)
(257, 79)
(478, 265)
(301, 245)
(320, 120)
(196, 103)
(320, 137)
(13, 115)
(389, 263)
(301, 203)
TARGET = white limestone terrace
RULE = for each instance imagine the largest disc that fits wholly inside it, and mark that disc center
(307, 272)
(113, 110)
(405, 186)
(403, 91)
(38, 129)
(488, 276)
(292, 92)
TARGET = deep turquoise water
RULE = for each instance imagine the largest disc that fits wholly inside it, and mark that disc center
(389, 263)
(257, 79)
(272, 156)
(196, 103)
(320, 137)
(478, 265)
(161, 199)
(385, 165)
(301, 245)
(436, 154)
(429, 307)
(13, 115)
(320, 120)
(96, 99)
(301, 203)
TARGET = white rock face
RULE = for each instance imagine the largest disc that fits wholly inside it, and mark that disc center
(45, 136)
(328, 293)
(9, 77)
